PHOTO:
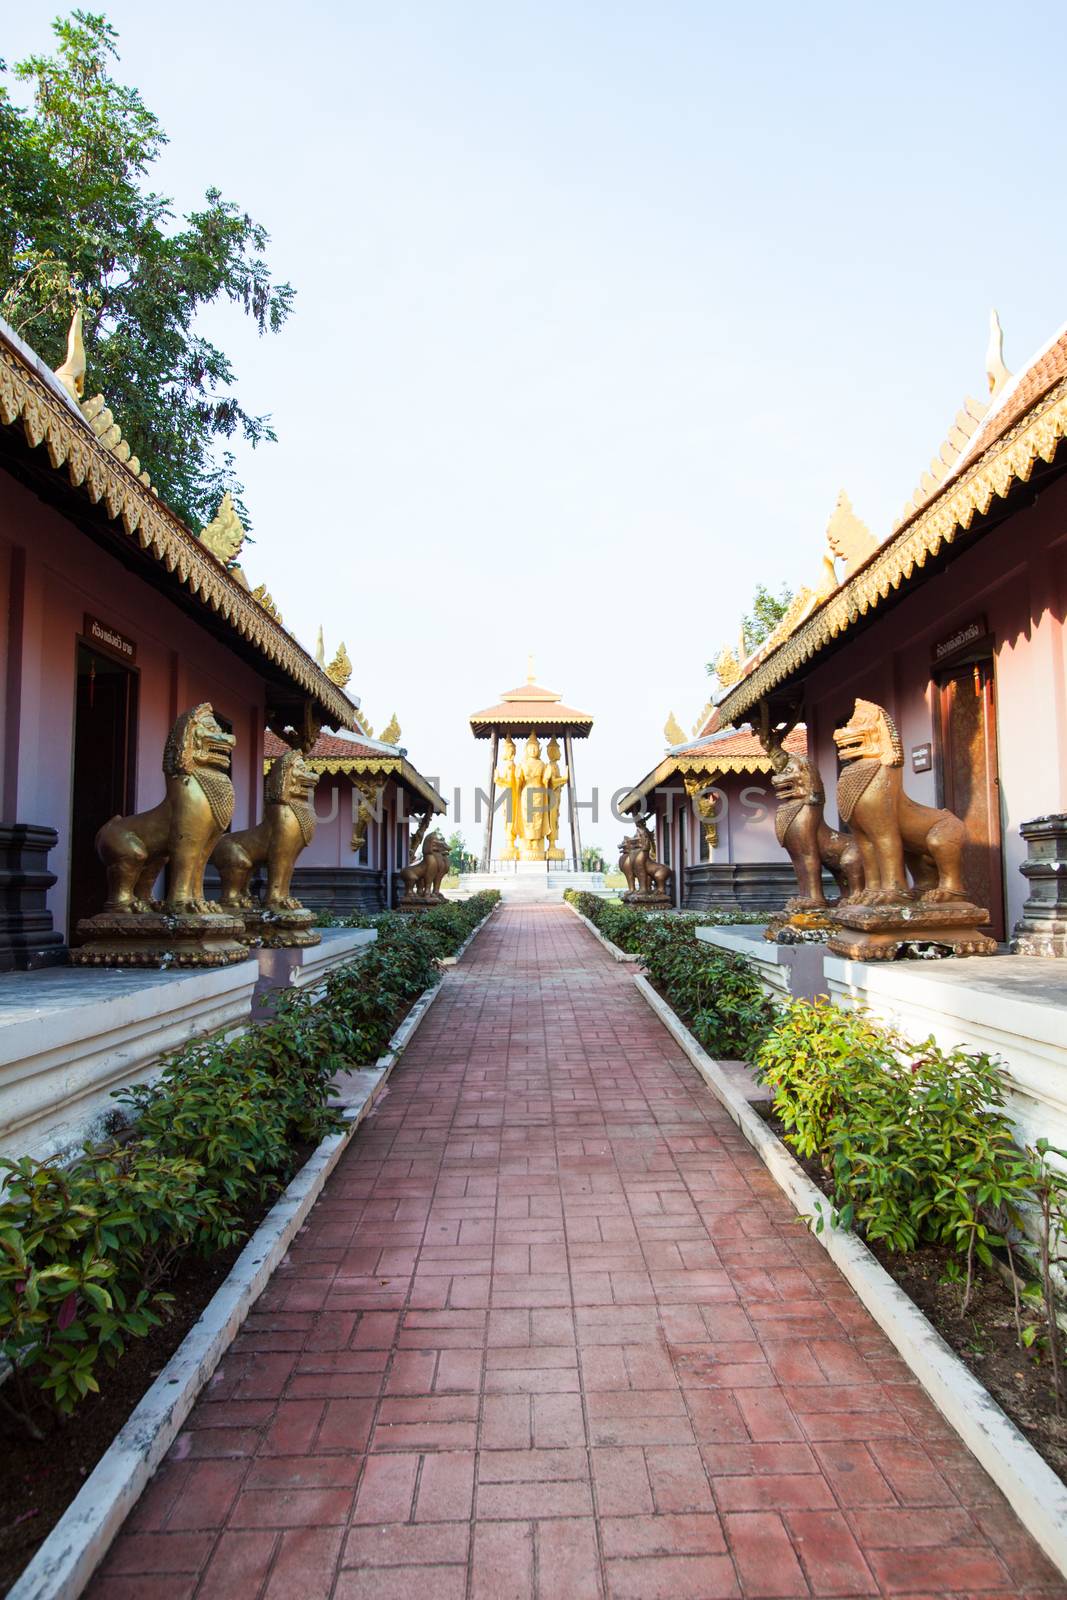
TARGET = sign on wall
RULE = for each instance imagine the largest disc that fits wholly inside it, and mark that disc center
(108, 638)
(960, 638)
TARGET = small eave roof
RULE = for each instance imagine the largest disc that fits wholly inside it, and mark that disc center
(530, 707)
(709, 759)
(354, 759)
(98, 493)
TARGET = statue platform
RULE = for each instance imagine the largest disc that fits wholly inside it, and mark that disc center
(306, 966)
(527, 881)
(71, 1035)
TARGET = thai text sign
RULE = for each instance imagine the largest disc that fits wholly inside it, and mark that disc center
(109, 638)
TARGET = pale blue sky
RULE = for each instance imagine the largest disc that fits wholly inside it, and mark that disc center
(598, 307)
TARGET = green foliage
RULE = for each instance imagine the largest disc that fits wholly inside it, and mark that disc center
(86, 1249)
(717, 995)
(914, 1141)
(592, 858)
(758, 624)
(78, 222)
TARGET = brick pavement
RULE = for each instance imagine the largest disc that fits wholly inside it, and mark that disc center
(553, 1331)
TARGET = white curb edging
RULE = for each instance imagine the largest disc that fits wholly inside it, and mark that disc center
(453, 961)
(612, 949)
(81, 1538)
(1036, 1494)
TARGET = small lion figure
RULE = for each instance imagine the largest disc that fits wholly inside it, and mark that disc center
(650, 877)
(422, 879)
(809, 841)
(181, 831)
(893, 831)
(287, 828)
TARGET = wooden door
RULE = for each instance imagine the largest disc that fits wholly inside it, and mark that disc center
(103, 787)
(970, 782)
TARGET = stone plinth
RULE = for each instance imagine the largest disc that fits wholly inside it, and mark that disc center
(307, 966)
(1042, 930)
(1013, 1008)
(883, 933)
(27, 938)
(787, 971)
(69, 1036)
(156, 939)
(280, 930)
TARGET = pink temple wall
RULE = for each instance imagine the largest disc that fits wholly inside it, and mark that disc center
(1016, 576)
(332, 846)
(745, 821)
(178, 665)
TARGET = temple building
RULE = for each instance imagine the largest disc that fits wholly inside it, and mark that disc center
(712, 813)
(116, 617)
(955, 625)
(367, 795)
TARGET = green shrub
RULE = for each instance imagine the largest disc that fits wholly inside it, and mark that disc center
(914, 1140)
(86, 1249)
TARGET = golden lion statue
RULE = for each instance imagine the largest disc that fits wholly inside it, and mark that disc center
(288, 826)
(893, 831)
(650, 877)
(810, 843)
(422, 879)
(181, 831)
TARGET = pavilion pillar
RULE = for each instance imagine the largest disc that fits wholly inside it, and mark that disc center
(487, 848)
(572, 801)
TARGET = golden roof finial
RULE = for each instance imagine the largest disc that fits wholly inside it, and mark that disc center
(673, 732)
(320, 650)
(224, 534)
(727, 668)
(996, 372)
(529, 669)
(848, 536)
(340, 669)
(72, 373)
(266, 600)
(390, 734)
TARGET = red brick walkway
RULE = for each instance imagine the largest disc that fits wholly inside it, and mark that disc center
(553, 1331)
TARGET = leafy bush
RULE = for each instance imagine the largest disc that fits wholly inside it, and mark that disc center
(914, 1140)
(86, 1249)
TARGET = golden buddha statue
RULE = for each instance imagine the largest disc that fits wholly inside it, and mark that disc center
(554, 781)
(507, 777)
(533, 809)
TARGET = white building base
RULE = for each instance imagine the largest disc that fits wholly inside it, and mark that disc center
(69, 1036)
(527, 881)
(307, 966)
(788, 971)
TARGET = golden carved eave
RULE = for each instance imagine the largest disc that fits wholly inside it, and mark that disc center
(1009, 461)
(102, 476)
(692, 767)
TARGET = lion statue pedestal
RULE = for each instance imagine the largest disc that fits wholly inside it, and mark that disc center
(185, 930)
(279, 922)
(896, 836)
(649, 879)
(422, 879)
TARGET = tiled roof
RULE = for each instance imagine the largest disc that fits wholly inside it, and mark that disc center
(530, 706)
(712, 758)
(330, 754)
(1027, 426)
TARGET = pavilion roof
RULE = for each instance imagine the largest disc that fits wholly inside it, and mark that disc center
(1025, 426)
(708, 759)
(79, 473)
(355, 758)
(531, 707)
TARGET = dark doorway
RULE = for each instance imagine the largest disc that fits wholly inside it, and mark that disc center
(105, 718)
(971, 787)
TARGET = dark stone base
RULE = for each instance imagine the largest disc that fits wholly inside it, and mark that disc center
(911, 929)
(341, 890)
(652, 901)
(280, 930)
(422, 902)
(153, 939)
(740, 886)
(27, 937)
(1042, 930)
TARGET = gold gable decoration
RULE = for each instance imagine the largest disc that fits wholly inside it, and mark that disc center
(673, 732)
(340, 669)
(390, 734)
(85, 445)
(266, 600)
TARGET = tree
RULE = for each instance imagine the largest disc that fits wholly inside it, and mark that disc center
(79, 224)
(592, 858)
(757, 626)
(457, 852)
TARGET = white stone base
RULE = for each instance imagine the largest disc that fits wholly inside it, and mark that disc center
(528, 881)
(1014, 1007)
(788, 971)
(71, 1035)
(306, 966)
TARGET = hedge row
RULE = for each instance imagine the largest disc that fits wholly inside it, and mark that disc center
(86, 1249)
